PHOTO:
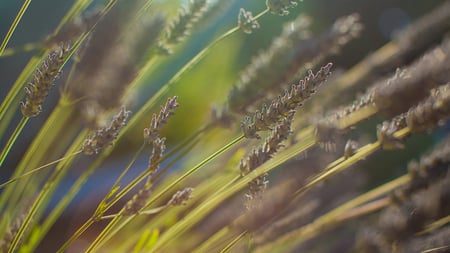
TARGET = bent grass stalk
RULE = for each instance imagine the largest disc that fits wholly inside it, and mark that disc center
(13, 26)
(208, 244)
(234, 242)
(12, 139)
(30, 172)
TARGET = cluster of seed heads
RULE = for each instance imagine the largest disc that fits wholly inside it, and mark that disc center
(406, 217)
(262, 154)
(158, 149)
(246, 21)
(429, 169)
(181, 197)
(431, 112)
(284, 106)
(410, 85)
(135, 204)
(104, 137)
(280, 7)
(43, 80)
(158, 121)
(182, 24)
(151, 136)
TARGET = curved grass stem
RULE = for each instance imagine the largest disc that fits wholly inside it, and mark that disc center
(30, 172)
(233, 242)
(12, 139)
(13, 26)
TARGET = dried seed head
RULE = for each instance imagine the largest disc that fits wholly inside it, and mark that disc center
(272, 68)
(436, 242)
(426, 30)
(74, 29)
(158, 149)
(261, 155)
(386, 131)
(43, 80)
(11, 232)
(410, 85)
(280, 7)
(222, 116)
(182, 24)
(403, 219)
(181, 197)
(431, 168)
(246, 21)
(295, 50)
(139, 200)
(329, 127)
(350, 148)
(284, 106)
(105, 136)
(158, 121)
(431, 112)
(343, 31)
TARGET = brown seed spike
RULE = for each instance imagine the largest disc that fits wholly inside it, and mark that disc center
(181, 197)
(105, 136)
(158, 121)
(43, 80)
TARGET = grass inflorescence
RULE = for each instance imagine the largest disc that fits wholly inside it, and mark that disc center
(233, 145)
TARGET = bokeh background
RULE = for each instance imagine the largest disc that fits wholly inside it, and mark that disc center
(198, 92)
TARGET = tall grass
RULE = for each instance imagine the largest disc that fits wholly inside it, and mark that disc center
(171, 129)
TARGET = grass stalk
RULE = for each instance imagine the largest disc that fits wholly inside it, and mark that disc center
(13, 26)
(230, 245)
(12, 139)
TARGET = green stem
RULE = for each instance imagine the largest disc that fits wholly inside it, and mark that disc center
(208, 205)
(207, 245)
(30, 172)
(12, 139)
(13, 26)
(101, 207)
(171, 186)
(232, 243)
